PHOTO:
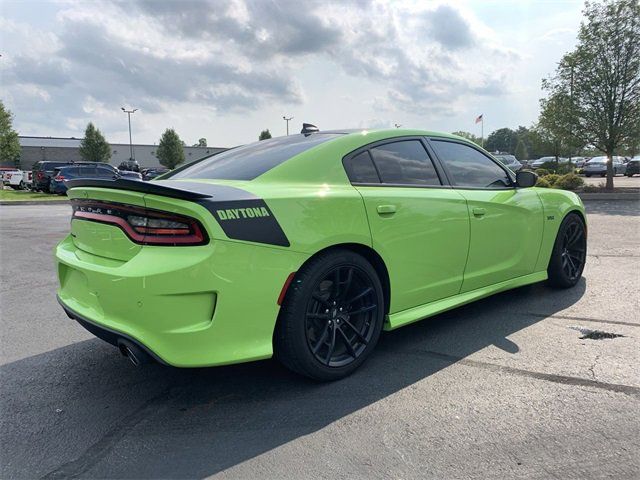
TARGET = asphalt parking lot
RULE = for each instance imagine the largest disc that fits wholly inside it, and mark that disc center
(503, 388)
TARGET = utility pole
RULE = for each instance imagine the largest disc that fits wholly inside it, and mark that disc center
(287, 120)
(129, 112)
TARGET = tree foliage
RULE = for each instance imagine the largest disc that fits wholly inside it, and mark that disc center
(502, 140)
(94, 147)
(202, 142)
(170, 150)
(264, 135)
(9, 141)
(469, 136)
(594, 96)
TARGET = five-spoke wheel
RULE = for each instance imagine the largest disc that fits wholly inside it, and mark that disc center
(569, 253)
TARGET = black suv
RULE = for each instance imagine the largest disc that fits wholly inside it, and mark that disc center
(633, 167)
(43, 172)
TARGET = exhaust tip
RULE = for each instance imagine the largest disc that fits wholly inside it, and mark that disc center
(136, 355)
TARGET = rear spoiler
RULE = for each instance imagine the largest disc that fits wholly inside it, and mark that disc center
(139, 186)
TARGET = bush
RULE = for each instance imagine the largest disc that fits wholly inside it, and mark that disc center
(543, 183)
(552, 178)
(570, 181)
(565, 168)
(550, 166)
(542, 172)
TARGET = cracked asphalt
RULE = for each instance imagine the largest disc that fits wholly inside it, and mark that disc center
(504, 387)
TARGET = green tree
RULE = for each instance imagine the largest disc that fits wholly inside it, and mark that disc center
(9, 142)
(265, 135)
(202, 142)
(170, 150)
(502, 140)
(469, 136)
(94, 147)
(594, 94)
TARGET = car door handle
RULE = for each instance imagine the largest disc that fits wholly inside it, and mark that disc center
(383, 209)
(479, 212)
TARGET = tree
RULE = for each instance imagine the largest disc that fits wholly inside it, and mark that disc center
(94, 147)
(202, 142)
(9, 141)
(595, 92)
(469, 136)
(265, 135)
(502, 140)
(170, 152)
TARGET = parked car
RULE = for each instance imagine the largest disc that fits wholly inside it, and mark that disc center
(306, 246)
(42, 172)
(509, 161)
(151, 173)
(80, 170)
(541, 161)
(598, 166)
(633, 167)
(579, 161)
(17, 179)
(129, 165)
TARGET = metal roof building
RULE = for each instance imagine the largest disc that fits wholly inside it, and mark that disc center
(34, 149)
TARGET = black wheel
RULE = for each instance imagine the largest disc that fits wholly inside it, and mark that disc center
(569, 253)
(332, 316)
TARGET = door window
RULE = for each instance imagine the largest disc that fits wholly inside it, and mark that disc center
(405, 163)
(470, 168)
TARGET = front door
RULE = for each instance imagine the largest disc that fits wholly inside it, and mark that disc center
(505, 222)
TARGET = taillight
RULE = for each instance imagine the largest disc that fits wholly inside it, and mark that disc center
(59, 178)
(39, 175)
(142, 225)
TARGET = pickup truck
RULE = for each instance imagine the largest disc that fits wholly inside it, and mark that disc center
(17, 179)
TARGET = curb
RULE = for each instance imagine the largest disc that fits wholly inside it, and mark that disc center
(609, 196)
(35, 202)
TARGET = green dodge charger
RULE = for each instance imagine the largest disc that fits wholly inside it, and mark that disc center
(306, 247)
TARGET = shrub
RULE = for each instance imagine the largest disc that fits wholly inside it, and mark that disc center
(570, 181)
(542, 172)
(552, 178)
(543, 183)
(551, 166)
(565, 168)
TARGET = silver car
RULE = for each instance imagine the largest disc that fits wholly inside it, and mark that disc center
(598, 166)
(508, 161)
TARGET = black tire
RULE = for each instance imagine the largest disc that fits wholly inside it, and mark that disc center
(313, 336)
(588, 175)
(569, 253)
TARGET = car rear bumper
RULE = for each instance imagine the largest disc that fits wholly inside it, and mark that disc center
(187, 306)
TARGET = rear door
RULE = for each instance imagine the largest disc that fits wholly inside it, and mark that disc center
(506, 222)
(419, 226)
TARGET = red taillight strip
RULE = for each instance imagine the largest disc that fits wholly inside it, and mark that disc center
(285, 287)
(147, 235)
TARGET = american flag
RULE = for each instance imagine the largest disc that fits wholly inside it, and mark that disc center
(479, 119)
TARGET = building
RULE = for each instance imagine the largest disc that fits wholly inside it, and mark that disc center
(34, 149)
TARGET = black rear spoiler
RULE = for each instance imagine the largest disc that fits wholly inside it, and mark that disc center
(154, 188)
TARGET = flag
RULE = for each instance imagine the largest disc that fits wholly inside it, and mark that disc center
(479, 119)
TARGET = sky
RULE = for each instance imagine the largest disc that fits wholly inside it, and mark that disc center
(225, 70)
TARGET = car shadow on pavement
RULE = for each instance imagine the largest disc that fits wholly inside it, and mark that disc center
(83, 411)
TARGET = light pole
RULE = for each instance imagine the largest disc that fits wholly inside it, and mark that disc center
(129, 112)
(287, 120)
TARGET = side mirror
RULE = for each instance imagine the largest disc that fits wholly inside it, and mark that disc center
(525, 179)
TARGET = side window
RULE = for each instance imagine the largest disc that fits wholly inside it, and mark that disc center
(360, 169)
(87, 171)
(105, 172)
(470, 168)
(405, 162)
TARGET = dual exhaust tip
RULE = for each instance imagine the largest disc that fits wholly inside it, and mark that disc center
(136, 355)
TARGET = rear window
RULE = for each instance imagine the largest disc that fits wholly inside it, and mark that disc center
(50, 166)
(250, 161)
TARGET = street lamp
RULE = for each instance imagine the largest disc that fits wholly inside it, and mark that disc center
(129, 112)
(287, 120)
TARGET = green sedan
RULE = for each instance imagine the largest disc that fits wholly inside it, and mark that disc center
(306, 247)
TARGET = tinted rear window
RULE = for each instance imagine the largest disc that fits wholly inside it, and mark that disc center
(250, 161)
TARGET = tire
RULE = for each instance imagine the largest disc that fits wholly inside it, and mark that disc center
(22, 186)
(588, 175)
(313, 336)
(569, 253)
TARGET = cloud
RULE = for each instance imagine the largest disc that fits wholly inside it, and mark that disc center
(243, 55)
